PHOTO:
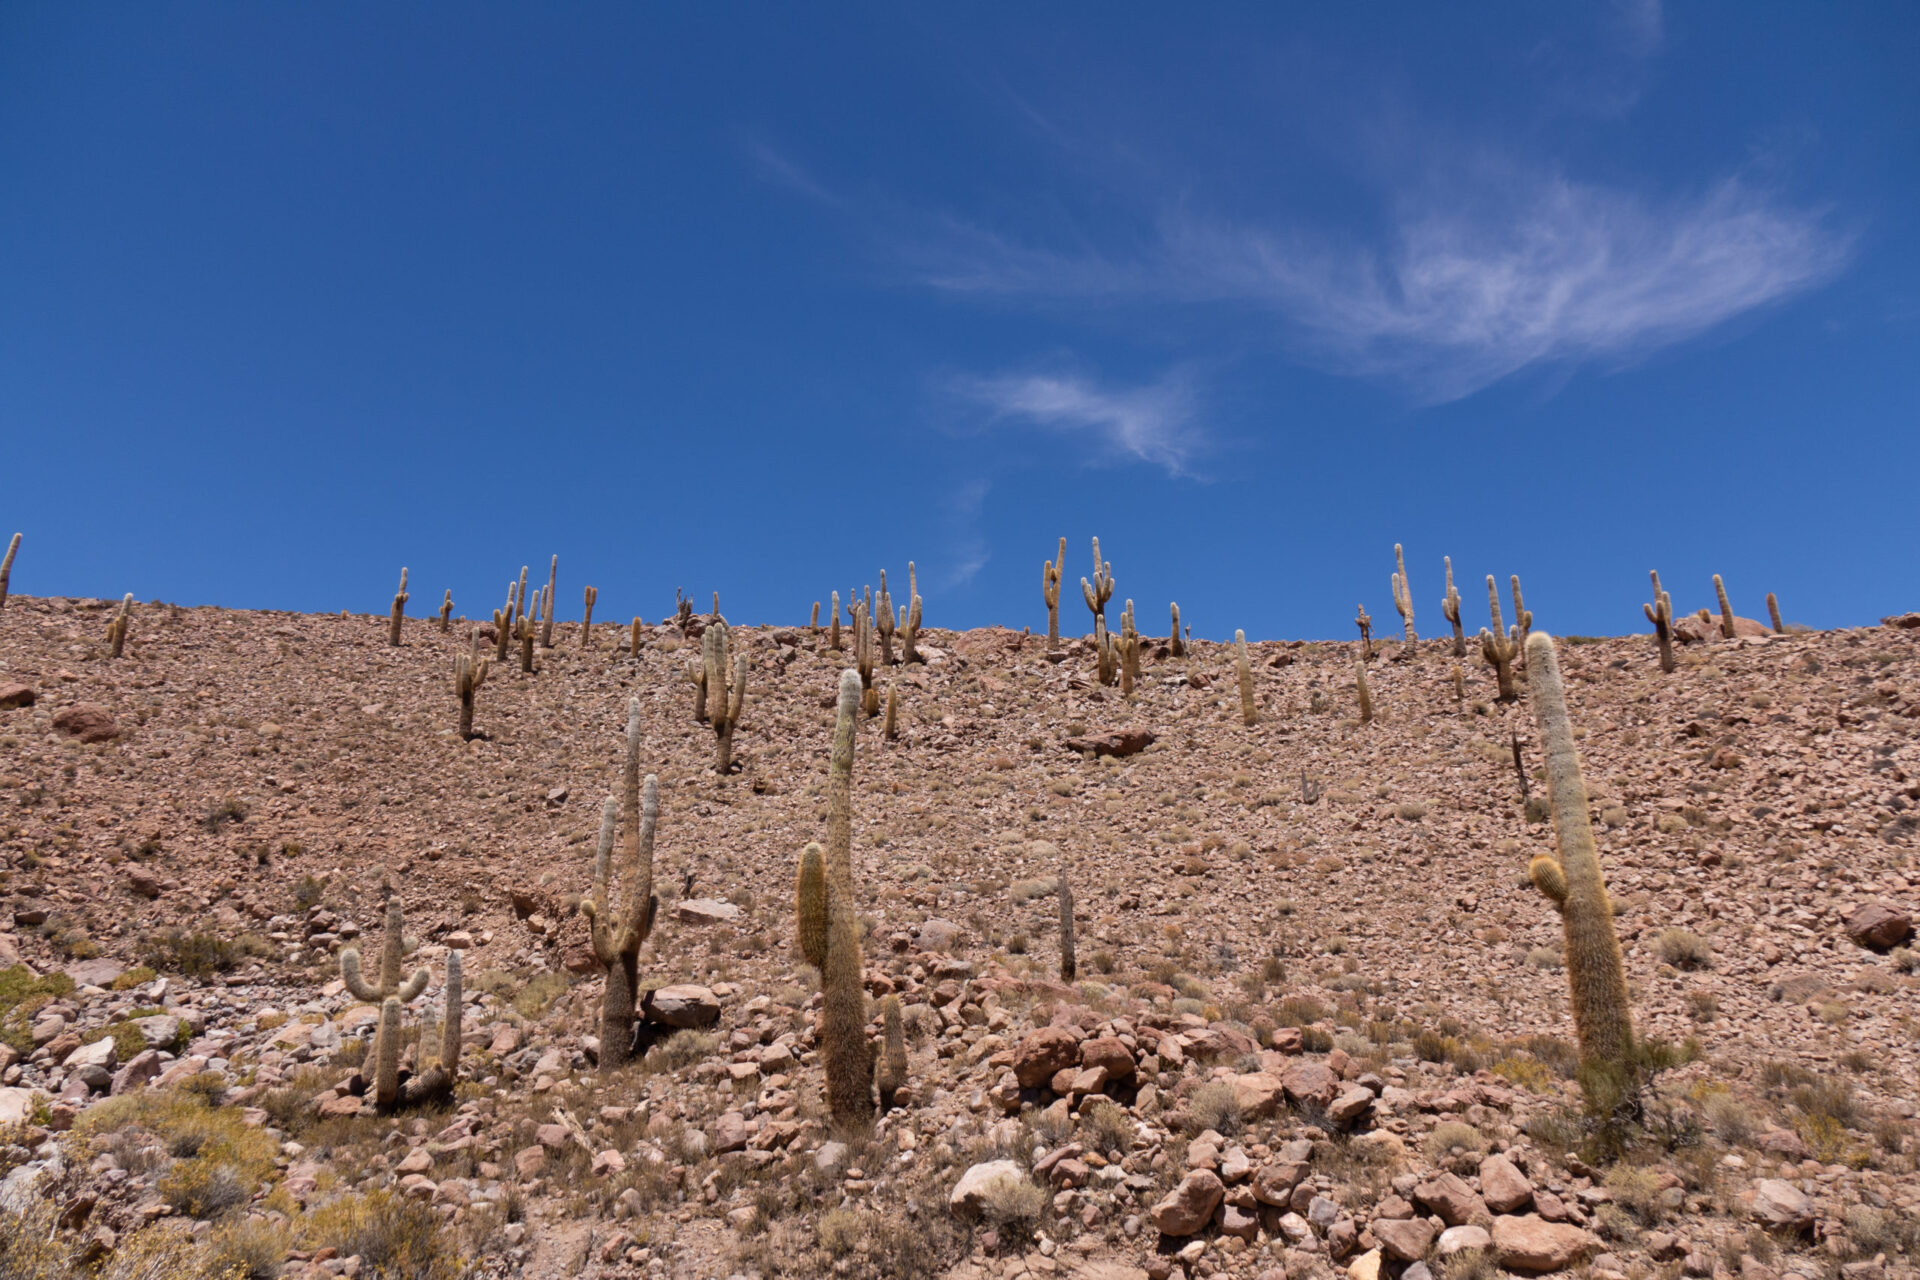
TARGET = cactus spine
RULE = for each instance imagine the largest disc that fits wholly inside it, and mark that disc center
(910, 621)
(1366, 695)
(1249, 714)
(726, 691)
(546, 618)
(1175, 645)
(1403, 597)
(1726, 609)
(446, 611)
(117, 629)
(1450, 610)
(1500, 646)
(618, 936)
(13, 549)
(847, 1053)
(1069, 965)
(1660, 614)
(1049, 589)
(1773, 615)
(891, 1076)
(469, 673)
(1595, 974)
(399, 610)
(390, 992)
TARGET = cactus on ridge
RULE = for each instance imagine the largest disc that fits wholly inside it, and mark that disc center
(390, 992)
(117, 629)
(13, 549)
(446, 610)
(399, 610)
(1773, 614)
(1049, 590)
(726, 689)
(526, 631)
(618, 934)
(1500, 649)
(1403, 597)
(1364, 621)
(1450, 610)
(833, 624)
(813, 626)
(437, 1081)
(1660, 614)
(1596, 975)
(1100, 590)
(633, 638)
(546, 618)
(884, 622)
(1128, 652)
(1522, 616)
(503, 627)
(1365, 694)
(910, 619)
(592, 595)
(1726, 609)
(469, 673)
(1249, 714)
(1176, 646)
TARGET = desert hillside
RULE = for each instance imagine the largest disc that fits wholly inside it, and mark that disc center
(1320, 1024)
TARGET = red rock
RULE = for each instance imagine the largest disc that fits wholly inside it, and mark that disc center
(1190, 1206)
(1258, 1093)
(1041, 1053)
(1879, 926)
(1407, 1239)
(1274, 1183)
(87, 721)
(1310, 1085)
(1527, 1243)
(16, 695)
(1113, 742)
(1108, 1052)
(1504, 1188)
(1451, 1198)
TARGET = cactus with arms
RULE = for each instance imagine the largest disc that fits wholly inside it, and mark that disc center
(1500, 646)
(399, 610)
(390, 993)
(1403, 597)
(618, 935)
(1450, 610)
(726, 689)
(1660, 614)
(1049, 589)
(1595, 973)
(469, 673)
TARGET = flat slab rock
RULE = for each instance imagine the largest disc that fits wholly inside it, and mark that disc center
(1113, 742)
(707, 911)
(686, 1006)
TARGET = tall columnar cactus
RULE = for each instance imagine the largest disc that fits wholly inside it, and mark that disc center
(13, 549)
(1128, 652)
(399, 610)
(546, 618)
(1364, 621)
(586, 619)
(1660, 614)
(813, 625)
(910, 618)
(863, 659)
(1100, 590)
(433, 1082)
(891, 728)
(1522, 616)
(832, 944)
(884, 622)
(1249, 714)
(1500, 646)
(1450, 610)
(1726, 609)
(633, 638)
(1773, 614)
(1459, 688)
(1049, 589)
(520, 596)
(1365, 694)
(1595, 973)
(503, 627)
(1175, 645)
(526, 631)
(390, 992)
(833, 624)
(469, 673)
(117, 629)
(618, 934)
(891, 1072)
(446, 611)
(1069, 965)
(726, 685)
(1403, 597)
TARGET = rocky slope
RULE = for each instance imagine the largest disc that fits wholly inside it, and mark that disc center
(1320, 1023)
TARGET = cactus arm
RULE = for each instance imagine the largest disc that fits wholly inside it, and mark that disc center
(810, 906)
(410, 989)
(350, 974)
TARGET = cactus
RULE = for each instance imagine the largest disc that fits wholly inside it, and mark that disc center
(1660, 614)
(633, 638)
(1726, 609)
(1573, 881)
(1175, 645)
(1500, 646)
(891, 729)
(1364, 621)
(117, 629)
(446, 611)
(1069, 965)
(1100, 590)
(884, 622)
(1522, 616)
(469, 673)
(1773, 615)
(1366, 695)
(1049, 589)
(617, 936)
(1249, 714)
(437, 1081)
(13, 549)
(1450, 610)
(546, 619)
(1459, 687)
(1403, 597)
(726, 690)
(503, 627)
(833, 624)
(891, 1073)
(910, 619)
(682, 611)
(833, 945)
(863, 659)
(586, 619)
(390, 992)
(520, 596)
(526, 631)
(1128, 652)
(399, 610)
(813, 626)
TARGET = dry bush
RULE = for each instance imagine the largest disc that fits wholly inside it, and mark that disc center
(394, 1238)
(1729, 1119)
(1684, 949)
(1451, 1135)
(247, 1249)
(1214, 1106)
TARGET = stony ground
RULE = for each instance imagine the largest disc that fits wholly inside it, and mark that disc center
(1320, 1023)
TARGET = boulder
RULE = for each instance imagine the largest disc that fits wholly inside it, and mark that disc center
(1879, 926)
(939, 935)
(969, 1194)
(101, 1053)
(1781, 1206)
(1406, 1239)
(143, 1067)
(16, 695)
(1110, 1053)
(1190, 1206)
(683, 1005)
(1504, 1188)
(1455, 1239)
(707, 911)
(1041, 1053)
(87, 721)
(1530, 1243)
(1258, 1093)
(16, 1106)
(1274, 1183)
(1310, 1085)
(1113, 742)
(1446, 1195)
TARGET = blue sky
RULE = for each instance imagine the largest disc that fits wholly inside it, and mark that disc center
(765, 298)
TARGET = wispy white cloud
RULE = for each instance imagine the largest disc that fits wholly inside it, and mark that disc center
(1155, 423)
(783, 170)
(1463, 291)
